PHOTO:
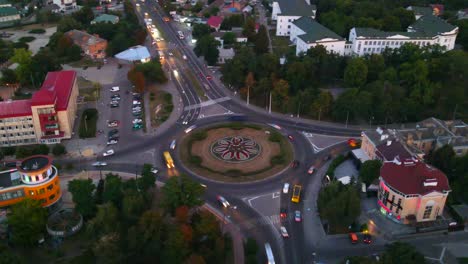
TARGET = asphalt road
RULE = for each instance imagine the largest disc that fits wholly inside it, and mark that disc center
(134, 148)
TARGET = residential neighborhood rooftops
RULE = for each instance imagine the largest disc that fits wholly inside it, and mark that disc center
(414, 177)
(15, 108)
(82, 38)
(215, 21)
(296, 8)
(314, 31)
(391, 150)
(420, 10)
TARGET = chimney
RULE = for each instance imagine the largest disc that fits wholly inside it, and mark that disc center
(430, 182)
(389, 142)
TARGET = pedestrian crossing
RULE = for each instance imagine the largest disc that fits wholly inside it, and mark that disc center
(265, 220)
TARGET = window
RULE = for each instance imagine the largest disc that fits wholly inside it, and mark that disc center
(365, 42)
(41, 191)
(427, 212)
(51, 197)
(50, 187)
(42, 200)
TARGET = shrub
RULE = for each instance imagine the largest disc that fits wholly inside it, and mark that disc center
(37, 31)
(169, 108)
(40, 149)
(278, 159)
(167, 97)
(196, 160)
(9, 151)
(88, 123)
(335, 163)
(58, 150)
(26, 39)
(199, 135)
(23, 152)
(275, 137)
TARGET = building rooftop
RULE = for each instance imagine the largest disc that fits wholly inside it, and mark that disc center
(296, 8)
(214, 21)
(379, 34)
(34, 163)
(414, 177)
(106, 18)
(5, 3)
(9, 178)
(8, 11)
(314, 31)
(431, 25)
(82, 38)
(136, 53)
(420, 10)
(15, 108)
(220, 34)
(391, 150)
(57, 87)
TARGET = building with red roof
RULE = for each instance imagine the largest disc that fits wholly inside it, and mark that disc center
(46, 118)
(412, 191)
(215, 22)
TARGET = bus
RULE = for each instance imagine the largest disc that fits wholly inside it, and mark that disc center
(296, 194)
(168, 158)
(269, 253)
(180, 34)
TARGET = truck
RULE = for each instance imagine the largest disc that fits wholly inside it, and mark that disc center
(296, 195)
(168, 159)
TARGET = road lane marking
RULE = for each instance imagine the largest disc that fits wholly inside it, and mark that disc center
(207, 103)
(276, 195)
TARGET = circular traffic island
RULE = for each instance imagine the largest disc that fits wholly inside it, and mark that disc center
(235, 152)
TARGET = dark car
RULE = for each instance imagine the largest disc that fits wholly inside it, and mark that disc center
(113, 132)
(115, 96)
(295, 164)
(367, 239)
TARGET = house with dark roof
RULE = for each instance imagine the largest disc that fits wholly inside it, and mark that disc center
(92, 45)
(286, 11)
(427, 30)
(9, 14)
(46, 118)
(411, 191)
(307, 33)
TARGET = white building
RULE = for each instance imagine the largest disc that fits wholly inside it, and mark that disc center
(286, 11)
(427, 30)
(307, 33)
(64, 5)
(225, 54)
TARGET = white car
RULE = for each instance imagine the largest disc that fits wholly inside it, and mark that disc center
(190, 128)
(137, 4)
(171, 54)
(99, 164)
(173, 144)
(154, 170)
(286, 187)
(112, 142)
(115, 89)
(223, 201)
(135, 102)
(137, 121)
(108, 153)
(275, 126)
(284, 232)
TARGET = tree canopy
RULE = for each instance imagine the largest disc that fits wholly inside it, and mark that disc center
(181, 190)
(370, 171)
(400, 252)
(82, 196)
(27, 222)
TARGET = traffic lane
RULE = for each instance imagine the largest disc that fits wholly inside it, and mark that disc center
(266, 204)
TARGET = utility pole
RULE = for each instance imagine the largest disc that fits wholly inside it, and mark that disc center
(248, 94)
(298, 109)
(269, 107)
(347, 116)
(454, 112)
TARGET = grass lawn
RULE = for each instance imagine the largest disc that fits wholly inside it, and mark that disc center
(88, 123)
(89, 90)
(163, 101)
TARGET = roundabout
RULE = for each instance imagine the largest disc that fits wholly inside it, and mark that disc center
(235, 152)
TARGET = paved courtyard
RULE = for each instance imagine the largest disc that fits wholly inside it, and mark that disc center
(41, 39)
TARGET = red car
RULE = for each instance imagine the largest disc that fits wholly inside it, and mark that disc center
(208, 77)
(290, 137)
(367, 239)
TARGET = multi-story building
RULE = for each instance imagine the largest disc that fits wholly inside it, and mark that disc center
(381, 145)
(34, 177)
(427, 30)
(411, 191)
(286, 11)
(307, 33)
(46, 118)
(92, 45)
(9, 14)
(64, 5)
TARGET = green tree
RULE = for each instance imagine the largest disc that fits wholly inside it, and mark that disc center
(24, 59)
(261, 40)
(113, 190)
(108, 250)
(7, 256)
(68, 23)
(41, 149)
(43, 62)
(27, 222)
(175, 248)
(355, 74)
(147, 179)
(442, 158)
(462, 37)
(249, 29)
(84, 16)
(229, 38)
(400, 252)
(8, 76)
(280, 94)
(59, 150)
(370, 171)
(106, 221)
(200, 30)
(82, 196)
(181, 190)
(207, 46)
(152, 71)
(133, 205)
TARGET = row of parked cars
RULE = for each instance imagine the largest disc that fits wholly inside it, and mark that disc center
(137, 111)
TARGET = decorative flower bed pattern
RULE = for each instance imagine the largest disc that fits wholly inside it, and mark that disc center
(235, 149)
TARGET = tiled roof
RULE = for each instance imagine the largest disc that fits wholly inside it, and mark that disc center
(314, 31)
(378, 34)
(215, 21)
(414, 177)
(296, 8)
(8, 11)
(431, 25)
(15, 108)
(59, 83)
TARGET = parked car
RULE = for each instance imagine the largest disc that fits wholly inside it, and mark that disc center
(208, 77)
(283, 213)
(137, 120)
(275, 126)
(286, 187)
(112, 132)
(113, 123)
(112, 142)
(115, 96)
(115, 89)
(173, 144)
(114, 104)
(295, 164)
(284, 232)
(222, 201)
(154, 170)
(367, 239)
(290, 137)
(311, 170)
(108, 153)
(353, 237)
(137, 126)
(136, 102)
(99, 164)
(137, 114)
(297, 216)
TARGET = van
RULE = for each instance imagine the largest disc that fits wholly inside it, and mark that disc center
(353, 237)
